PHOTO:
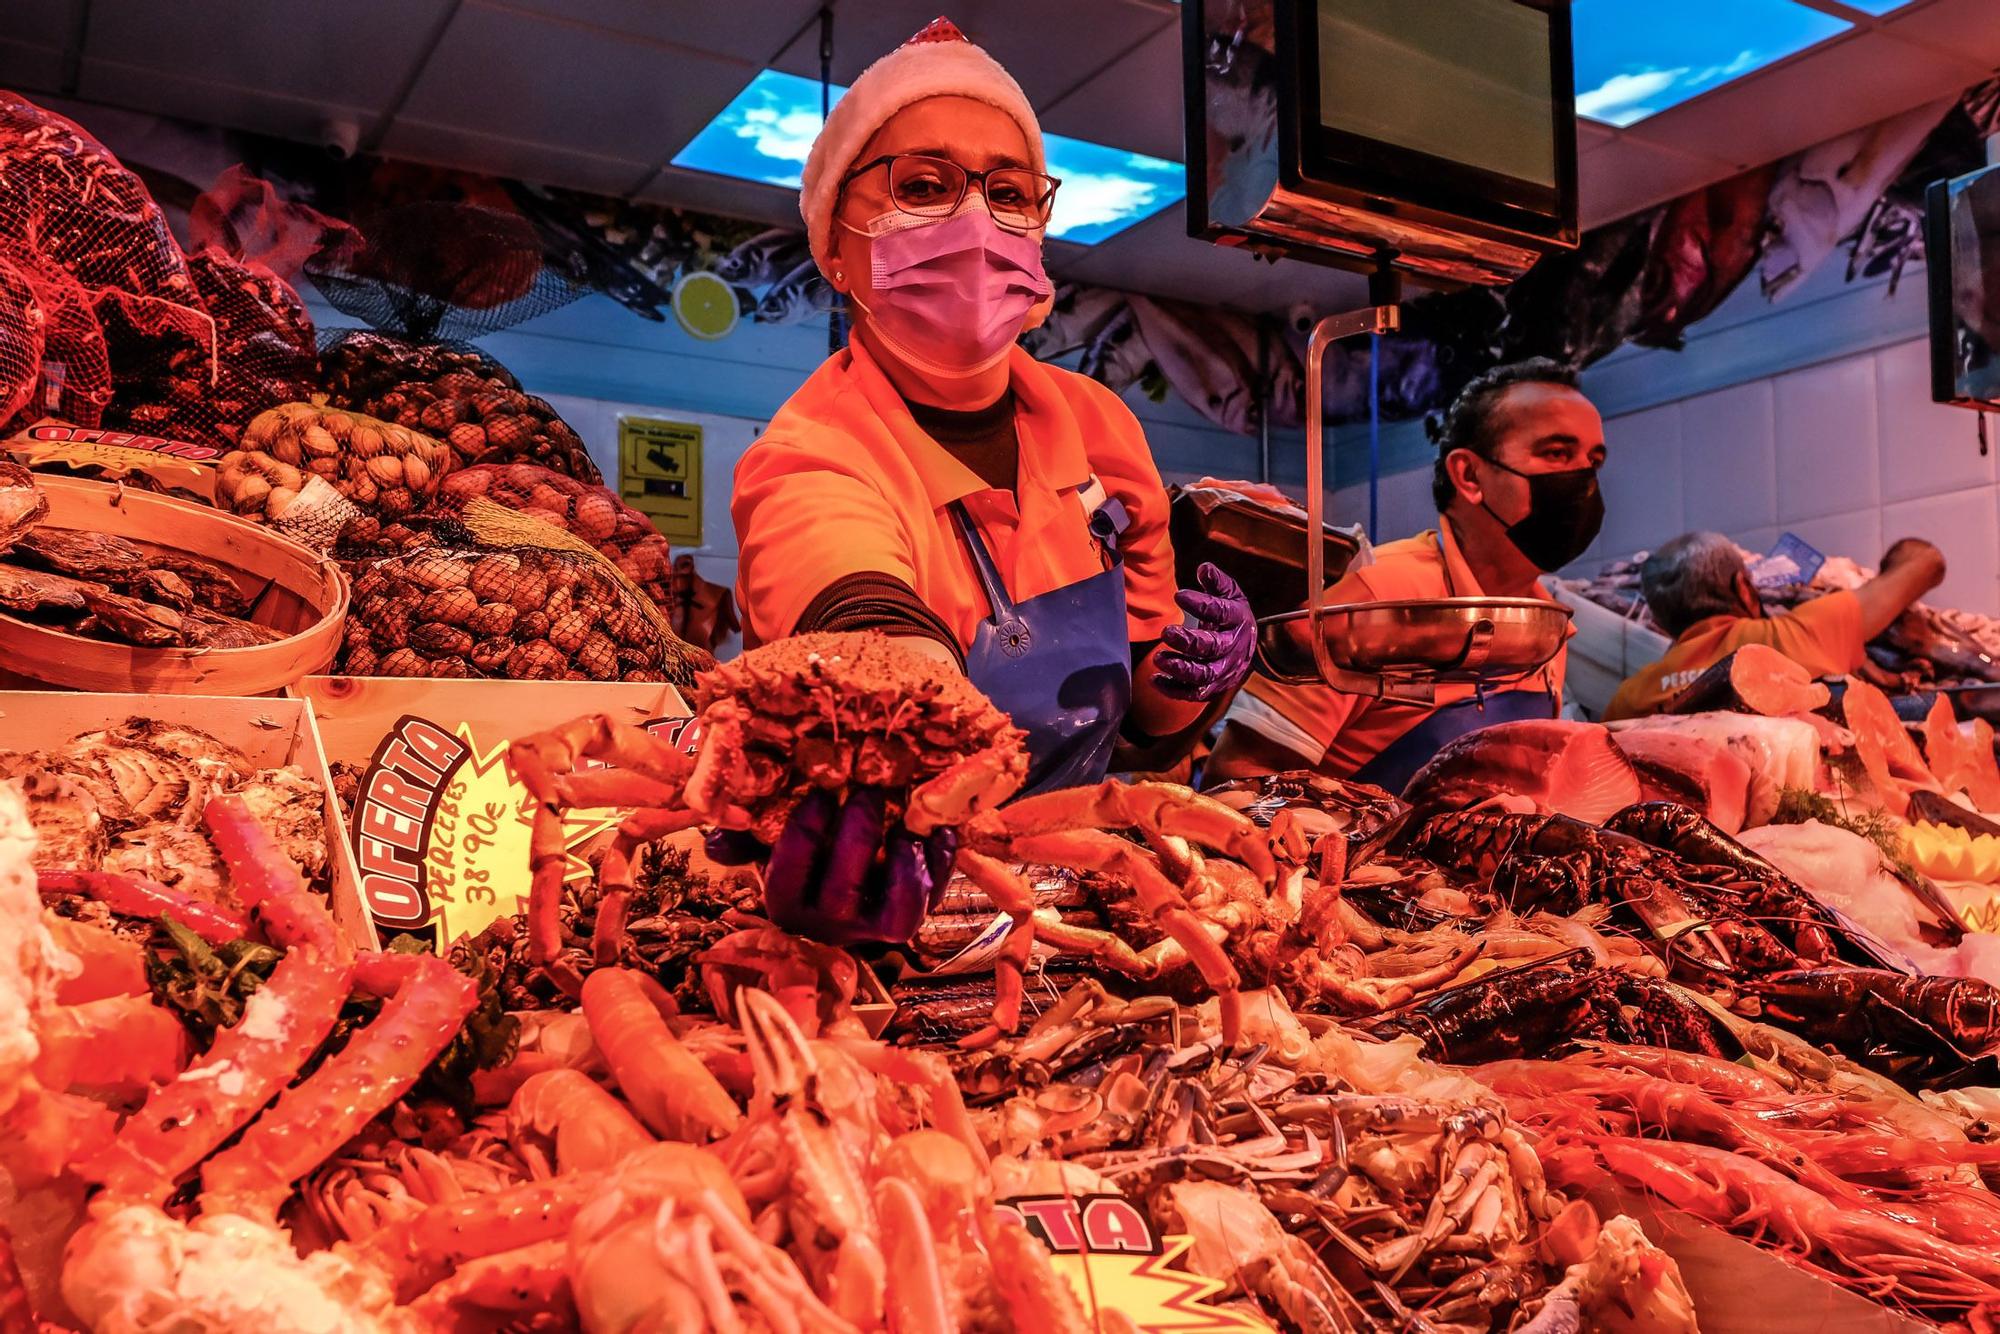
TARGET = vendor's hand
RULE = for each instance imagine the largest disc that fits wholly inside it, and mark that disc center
(840, 874)
(1210, 655)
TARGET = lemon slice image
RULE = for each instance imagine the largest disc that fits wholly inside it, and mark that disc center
(705, 306)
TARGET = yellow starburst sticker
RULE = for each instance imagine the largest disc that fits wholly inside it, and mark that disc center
(1106, 1249)
(441, 831)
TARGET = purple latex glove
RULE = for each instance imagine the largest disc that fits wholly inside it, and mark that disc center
(840, 875)
(1210, 655)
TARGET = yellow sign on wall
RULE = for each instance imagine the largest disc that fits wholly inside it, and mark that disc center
(659, 474)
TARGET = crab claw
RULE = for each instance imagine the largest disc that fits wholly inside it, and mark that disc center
(781, 1057)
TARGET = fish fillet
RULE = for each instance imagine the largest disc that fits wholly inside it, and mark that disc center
(1780, 752)
(1717, 774)
(1567, 767)
(1756, 679)
(1892, 761)
(1954, 757)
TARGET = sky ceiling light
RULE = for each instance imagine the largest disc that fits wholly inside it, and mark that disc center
(766, 131)
(1638, 57)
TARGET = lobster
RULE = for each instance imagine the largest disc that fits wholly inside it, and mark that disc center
(1940, 1031)
(1540, 1007)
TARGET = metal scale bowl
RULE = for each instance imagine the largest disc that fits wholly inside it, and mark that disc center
(1394, 650)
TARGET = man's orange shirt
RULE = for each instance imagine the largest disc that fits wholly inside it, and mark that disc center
(1823, 636)
(844, 482)
(1351, 730)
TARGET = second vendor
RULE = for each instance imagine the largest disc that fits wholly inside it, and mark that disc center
(1517, 495)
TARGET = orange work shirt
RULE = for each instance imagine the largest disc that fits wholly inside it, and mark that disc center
(1347, 730)
(844, 482)
(1823, 636)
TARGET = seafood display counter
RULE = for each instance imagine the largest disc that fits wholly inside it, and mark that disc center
(1589, 1028)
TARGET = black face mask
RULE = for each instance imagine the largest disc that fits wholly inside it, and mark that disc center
(1565, 510)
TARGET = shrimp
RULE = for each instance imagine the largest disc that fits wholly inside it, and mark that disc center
(589, 1128)
(673, 1093)
(1674, 1107)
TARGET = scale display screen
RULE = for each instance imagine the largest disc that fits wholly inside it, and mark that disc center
(1466, 80)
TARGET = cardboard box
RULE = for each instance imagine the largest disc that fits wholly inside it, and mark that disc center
(270, 732)
(440, 834)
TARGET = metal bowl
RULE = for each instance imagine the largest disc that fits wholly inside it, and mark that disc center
(1434, 640)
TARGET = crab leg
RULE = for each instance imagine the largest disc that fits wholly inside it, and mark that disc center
(269, 883)
(1155, 893)
(614, 874)
(1013, 896)
(526, 1281)
(183, 1121)
(136, 896)
(647, 771)
(423, 1248)
(1160, 810)
(375, 1068)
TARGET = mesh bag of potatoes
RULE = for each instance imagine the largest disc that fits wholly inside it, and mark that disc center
(383, 469)
(485, 423)
(358, 366)
(620, 533)
(488, 592)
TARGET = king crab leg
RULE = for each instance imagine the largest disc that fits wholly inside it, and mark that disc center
(182, 1122)
(428, 1002)
(136, 896)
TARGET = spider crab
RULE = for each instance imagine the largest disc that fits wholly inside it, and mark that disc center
(828, 711)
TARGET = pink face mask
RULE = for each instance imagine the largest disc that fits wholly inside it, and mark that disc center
(959, 289)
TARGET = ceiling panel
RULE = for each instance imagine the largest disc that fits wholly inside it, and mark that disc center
(1050, 46)
(538, 163)
(1848, 83)
(1967, 31)
(1113, 110)
(29, 69)
(39, 22)
(207, 101)
(353, 54)
(584, 87)
(1623, 177)
(746, 30)
(1158, 256)
(719, 194)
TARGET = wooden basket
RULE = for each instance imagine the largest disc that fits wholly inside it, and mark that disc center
(290, 587)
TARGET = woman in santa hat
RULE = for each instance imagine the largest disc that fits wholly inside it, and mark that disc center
(935, 482)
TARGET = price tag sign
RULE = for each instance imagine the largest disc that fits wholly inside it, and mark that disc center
(1789, 561)
(442, 828)
(659, 474)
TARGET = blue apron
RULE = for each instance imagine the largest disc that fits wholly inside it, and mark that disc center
(1399, 761)
(1059, 665)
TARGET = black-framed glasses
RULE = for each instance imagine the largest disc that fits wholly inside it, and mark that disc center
(933, 187)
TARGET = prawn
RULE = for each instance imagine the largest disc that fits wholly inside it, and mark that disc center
(1678, 1109)
(588, 1127)
(672, 1091)
(1733, 1191)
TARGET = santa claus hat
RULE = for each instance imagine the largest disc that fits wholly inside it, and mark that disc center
(937, 62)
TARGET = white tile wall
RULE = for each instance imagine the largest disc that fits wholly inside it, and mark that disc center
(1642, 494)
(1826, 439)
(1849, 454)
(1729, 454)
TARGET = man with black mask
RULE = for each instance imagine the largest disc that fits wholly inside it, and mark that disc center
(1517, 496)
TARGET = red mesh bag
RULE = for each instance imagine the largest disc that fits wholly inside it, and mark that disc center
(626, 537)
(63, 196)
(21, 339)
(266, 352)
(52, 356)
(485, 423)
